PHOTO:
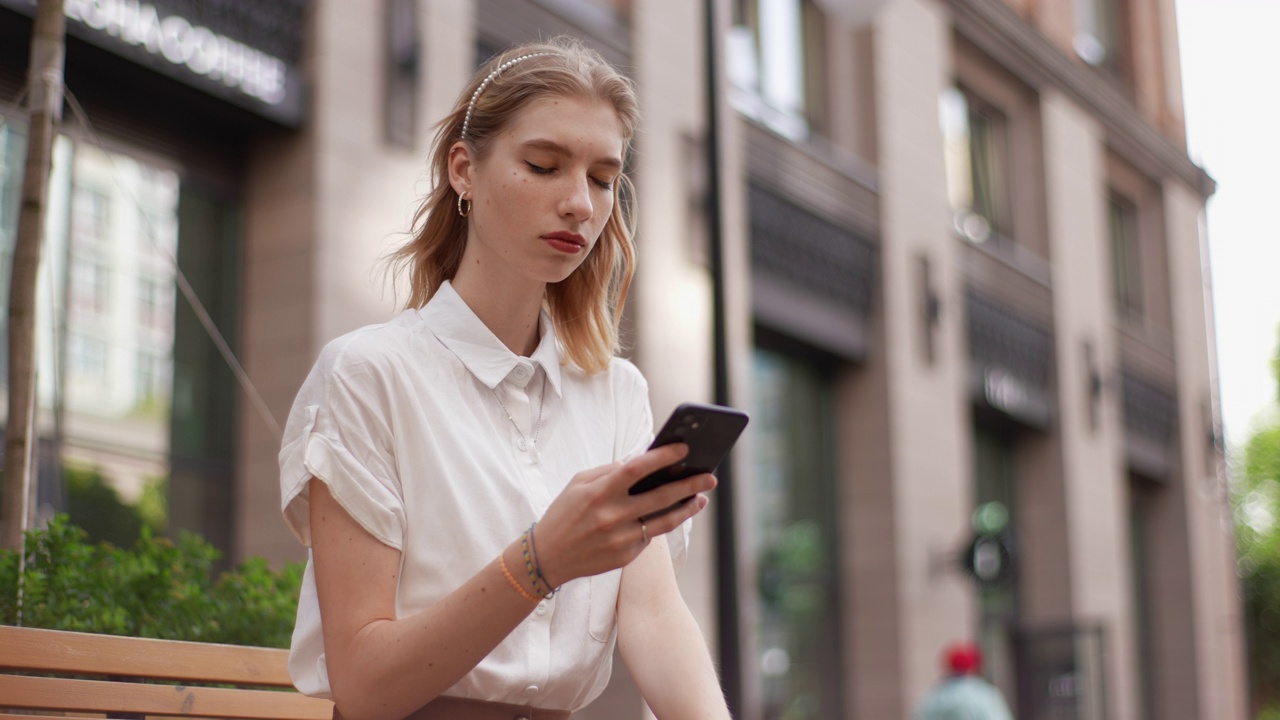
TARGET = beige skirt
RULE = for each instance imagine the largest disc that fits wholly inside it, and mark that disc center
(451, 708)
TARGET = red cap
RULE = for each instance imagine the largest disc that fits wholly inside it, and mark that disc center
(964, 659)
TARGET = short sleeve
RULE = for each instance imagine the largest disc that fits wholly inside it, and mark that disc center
(635, 433)
(635, 417)
(339, 433)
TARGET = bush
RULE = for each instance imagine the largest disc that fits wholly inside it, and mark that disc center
(159, 589)
(95, 507)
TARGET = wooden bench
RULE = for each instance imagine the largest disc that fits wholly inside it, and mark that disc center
(140, 677)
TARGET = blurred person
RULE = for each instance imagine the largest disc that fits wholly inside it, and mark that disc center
(963, 694)
(460, 473)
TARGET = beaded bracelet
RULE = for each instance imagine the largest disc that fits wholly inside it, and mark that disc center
(528, 563)
(537, 564)
(502, 561)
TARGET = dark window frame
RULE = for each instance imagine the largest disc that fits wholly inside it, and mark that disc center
(1017, 230)
(1125, 233)
(813, 75)
(1107, 42)
(824, 673)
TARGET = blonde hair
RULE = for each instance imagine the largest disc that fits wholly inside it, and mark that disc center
(585, 307)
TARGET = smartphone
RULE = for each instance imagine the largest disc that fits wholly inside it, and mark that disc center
(710, 432)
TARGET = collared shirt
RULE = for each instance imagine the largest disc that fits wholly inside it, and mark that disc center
(445, 445)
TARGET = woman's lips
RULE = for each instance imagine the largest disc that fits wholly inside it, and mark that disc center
(565, 242)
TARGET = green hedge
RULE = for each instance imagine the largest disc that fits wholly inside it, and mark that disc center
(158, 589)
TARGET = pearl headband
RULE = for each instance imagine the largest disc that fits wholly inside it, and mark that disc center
(466, 121)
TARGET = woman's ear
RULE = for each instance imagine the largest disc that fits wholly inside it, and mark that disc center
(460, 167)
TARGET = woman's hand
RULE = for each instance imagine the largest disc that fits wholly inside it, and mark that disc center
(594, 526)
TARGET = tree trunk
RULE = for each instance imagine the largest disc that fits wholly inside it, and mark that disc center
(45, 108)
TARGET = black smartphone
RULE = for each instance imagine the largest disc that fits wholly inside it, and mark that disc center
(710, 432)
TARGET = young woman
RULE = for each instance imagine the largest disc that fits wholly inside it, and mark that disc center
(460, 473)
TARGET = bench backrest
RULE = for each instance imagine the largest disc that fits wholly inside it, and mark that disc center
(146, 676)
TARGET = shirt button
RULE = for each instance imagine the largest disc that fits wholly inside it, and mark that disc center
(521, 371)
(541, 610)
(522, 444)
(531, 689)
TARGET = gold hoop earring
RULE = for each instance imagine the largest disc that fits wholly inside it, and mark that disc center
(461, 212)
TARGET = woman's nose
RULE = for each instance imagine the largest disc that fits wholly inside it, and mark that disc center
(577, 200)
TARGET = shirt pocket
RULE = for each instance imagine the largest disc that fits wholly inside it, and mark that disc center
(603, 615)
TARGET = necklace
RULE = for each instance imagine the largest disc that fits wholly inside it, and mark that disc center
(527, 443)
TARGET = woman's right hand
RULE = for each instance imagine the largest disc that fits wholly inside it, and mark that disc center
(594, 525)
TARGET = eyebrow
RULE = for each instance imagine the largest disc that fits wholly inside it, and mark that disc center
(555, 147)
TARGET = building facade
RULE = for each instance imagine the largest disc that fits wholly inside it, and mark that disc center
(964, 289)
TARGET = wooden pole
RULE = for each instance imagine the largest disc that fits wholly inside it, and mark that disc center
(48, 46)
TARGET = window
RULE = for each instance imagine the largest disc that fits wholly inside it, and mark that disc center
(155, 303)
(1138, 250)
(994, 160)
(1126, 257)
(12, 154)
(11, 161)
(976, 145)
(774, 60)
(88, 357)
(159, 234)
(1100, 36)
(795, 532)
(157, 186)
(116, 220)
(90, 214)
(90, 286)
(152, 379)
(1141, 497)
(994, 479)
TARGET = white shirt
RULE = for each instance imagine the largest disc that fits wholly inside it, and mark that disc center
(402, 422)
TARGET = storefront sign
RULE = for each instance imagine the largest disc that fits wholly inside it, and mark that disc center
(1010, 362)
(1003, 391)
(999, 388)
(163, 39)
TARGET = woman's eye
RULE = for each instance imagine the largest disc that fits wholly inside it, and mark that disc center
(604, 184)
(538, 169)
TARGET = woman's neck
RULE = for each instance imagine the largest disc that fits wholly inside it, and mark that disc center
(510, 313)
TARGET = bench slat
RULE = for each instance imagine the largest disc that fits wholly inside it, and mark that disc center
(38, 693)
(11, 716)
(58, 651)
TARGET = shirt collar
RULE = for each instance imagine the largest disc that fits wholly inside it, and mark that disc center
(453, 322)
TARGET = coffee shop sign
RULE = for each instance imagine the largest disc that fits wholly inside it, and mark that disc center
(175, 39)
